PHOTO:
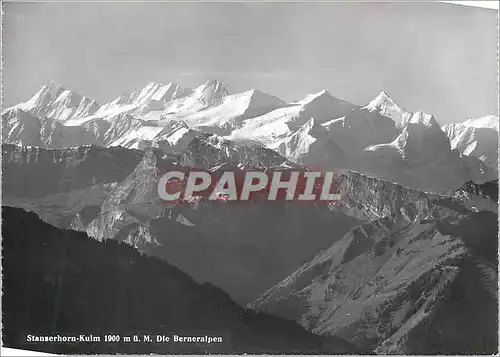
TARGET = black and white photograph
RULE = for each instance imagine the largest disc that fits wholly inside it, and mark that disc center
(249, 177)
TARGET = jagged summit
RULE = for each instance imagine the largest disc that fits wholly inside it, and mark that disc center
(259, 98)
(211, 92)
(386, 106)
(148, 102)
(379, 131)
(56, 102)
(252, 92)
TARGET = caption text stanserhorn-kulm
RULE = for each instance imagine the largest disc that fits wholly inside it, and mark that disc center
(116, 338)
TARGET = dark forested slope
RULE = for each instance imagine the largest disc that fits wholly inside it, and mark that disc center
(61, 281)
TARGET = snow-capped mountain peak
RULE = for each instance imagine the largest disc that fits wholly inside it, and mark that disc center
(68, 97)
(229, 114)
(255, 97)
(159, 92)
(154, 91)
(211, 92)
(56, 102)
(423, 118)
(387, 107)
(425, 139)
(146, 103)
(186, 102)
(51, 87)
(323, 107)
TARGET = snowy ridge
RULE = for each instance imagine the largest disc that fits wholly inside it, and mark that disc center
(22, 128)
(211, 93)
(233, 110)
(379, 138)
(299, 143)
(395, 148)
(311, 146)
(423, 118)
(149, 102)
(277, 125)
(323, 106)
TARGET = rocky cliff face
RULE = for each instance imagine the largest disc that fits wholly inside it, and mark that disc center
(370, 198)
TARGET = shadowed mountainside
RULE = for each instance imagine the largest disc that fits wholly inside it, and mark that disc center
(61, 281)
(428, 287)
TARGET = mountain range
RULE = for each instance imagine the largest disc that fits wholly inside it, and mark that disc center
(379, 138)
(404, 263)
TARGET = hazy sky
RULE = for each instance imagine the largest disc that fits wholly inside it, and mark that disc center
(437, 58)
